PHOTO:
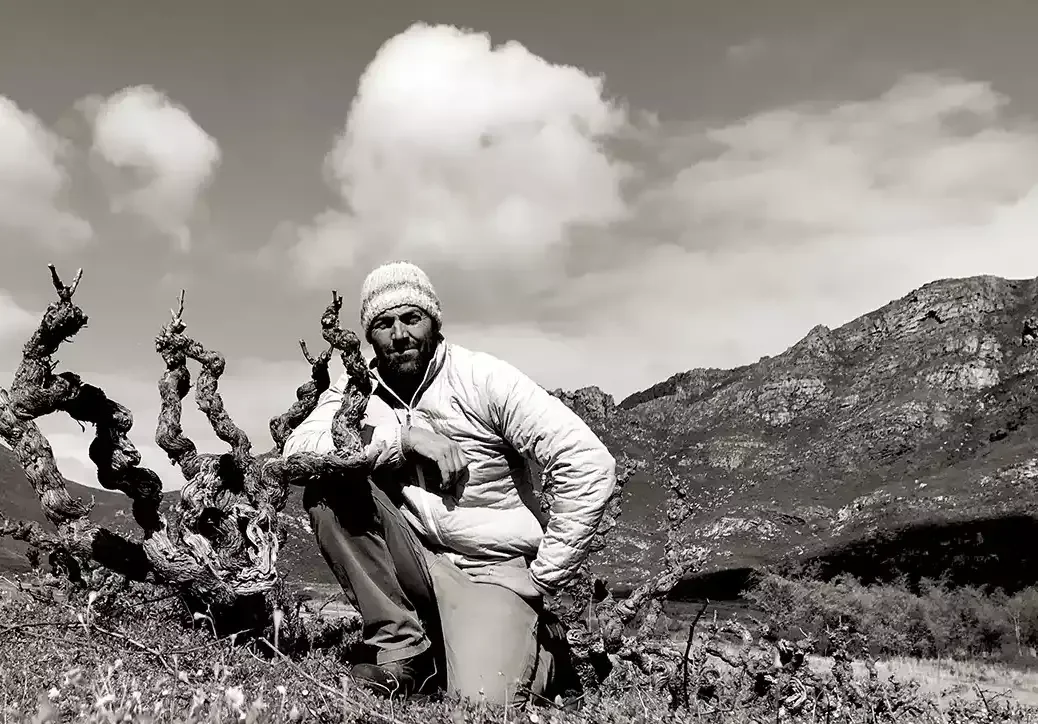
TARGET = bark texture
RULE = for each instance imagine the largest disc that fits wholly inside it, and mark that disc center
(220, 540)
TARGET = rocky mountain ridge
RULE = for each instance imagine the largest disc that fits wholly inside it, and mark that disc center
(902, 441)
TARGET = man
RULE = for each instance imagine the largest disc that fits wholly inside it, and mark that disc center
(444, 548)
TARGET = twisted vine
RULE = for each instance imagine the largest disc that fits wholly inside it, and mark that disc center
(597, 626)
(349, 457)
(37, 391)
(223, 537)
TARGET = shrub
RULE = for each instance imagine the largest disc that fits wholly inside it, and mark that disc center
(931, 620)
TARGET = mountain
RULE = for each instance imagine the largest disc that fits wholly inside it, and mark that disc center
(902, 441)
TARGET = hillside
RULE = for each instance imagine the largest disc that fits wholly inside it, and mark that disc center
(18, 502)
(901, 441)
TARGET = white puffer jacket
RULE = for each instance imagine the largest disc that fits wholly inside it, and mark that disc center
(501, 419)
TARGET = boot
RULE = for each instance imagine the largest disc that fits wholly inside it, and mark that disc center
(565, 689)
(397, 679)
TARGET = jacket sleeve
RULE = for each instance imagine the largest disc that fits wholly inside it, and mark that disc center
(540, 425)
(314, 434)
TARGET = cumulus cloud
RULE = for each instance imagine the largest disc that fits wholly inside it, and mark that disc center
(34, 181)
(928, 152)
(737, 238)
(141, 131)
(457, 149)
(797, 216)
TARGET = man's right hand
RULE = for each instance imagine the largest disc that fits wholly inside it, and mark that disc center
(447, 454)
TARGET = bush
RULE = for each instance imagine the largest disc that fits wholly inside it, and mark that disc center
(931, 620)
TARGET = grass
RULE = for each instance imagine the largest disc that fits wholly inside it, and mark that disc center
(122, 656)
(64, 658)
(951, 681)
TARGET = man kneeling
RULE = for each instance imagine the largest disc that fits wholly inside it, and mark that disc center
(445, 548)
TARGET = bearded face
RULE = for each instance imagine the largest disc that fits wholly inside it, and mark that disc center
(404, 339)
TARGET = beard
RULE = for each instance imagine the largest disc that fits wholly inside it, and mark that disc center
(407, 363)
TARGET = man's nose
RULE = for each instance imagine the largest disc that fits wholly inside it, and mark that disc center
(397, 330)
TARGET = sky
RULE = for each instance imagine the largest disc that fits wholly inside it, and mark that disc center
(602, 194)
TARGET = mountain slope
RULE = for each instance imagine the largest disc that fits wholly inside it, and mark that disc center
(19, 502)
(903, 440)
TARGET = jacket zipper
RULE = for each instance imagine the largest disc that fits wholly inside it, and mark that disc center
(409, 408)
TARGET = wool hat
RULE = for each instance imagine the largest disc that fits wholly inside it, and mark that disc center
(393, 285)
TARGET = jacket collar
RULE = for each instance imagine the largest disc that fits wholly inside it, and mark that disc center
(436, 364)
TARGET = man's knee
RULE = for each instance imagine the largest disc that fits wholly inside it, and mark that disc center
(491, 642)
(352, 511)
(506, 671)
(493, 671)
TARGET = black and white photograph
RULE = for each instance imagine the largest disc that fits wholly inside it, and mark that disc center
(489, 362)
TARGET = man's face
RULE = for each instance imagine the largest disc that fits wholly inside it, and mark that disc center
(404, 339)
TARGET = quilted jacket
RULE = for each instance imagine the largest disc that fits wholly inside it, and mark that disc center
(502, 420)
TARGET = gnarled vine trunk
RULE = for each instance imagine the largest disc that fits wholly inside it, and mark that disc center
(221, 540)
(600, 630)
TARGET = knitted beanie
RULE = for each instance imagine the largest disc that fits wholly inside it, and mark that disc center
(393, 285)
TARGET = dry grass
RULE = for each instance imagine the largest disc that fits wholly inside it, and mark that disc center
(946, 680)
(949, 680)
(64, 659)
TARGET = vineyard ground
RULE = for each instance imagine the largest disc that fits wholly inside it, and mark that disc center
(945, 679)
(212, 679)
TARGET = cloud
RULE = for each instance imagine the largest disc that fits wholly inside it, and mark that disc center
(139, 130)
(786, 219)
(930, 151)
(804, 215)
(457, 150)
(928, 179)
(15, 321)
(33, 181)
(735, 240)
(746, 52)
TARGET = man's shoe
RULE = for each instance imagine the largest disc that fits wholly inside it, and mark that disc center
(398, 679)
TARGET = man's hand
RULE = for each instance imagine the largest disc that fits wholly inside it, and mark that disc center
(529, 592)
(447, 454)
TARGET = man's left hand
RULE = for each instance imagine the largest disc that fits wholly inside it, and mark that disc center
(530, 593)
